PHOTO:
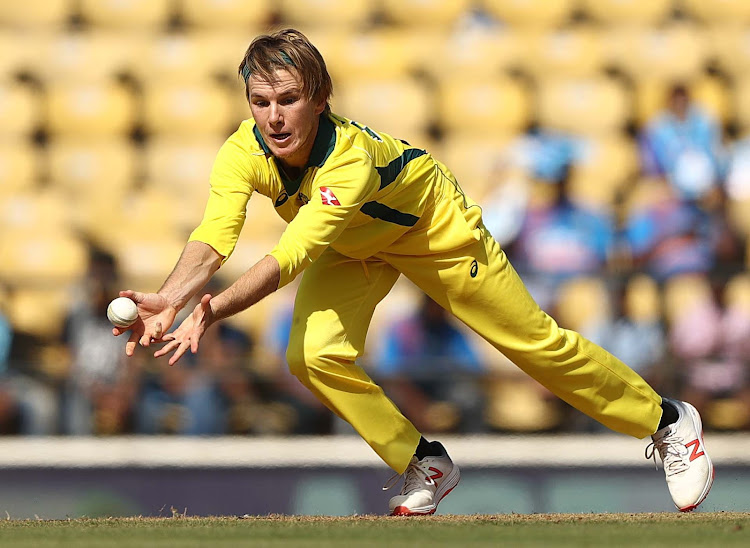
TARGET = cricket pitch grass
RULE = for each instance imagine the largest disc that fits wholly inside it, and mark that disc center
(723, 529)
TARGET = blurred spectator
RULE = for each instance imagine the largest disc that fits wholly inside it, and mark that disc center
(711, 344)
(667, 236)
(427, 366)
(209, 394)
(101, 385)
(683, 144)
(27, 404)
(9, 410)
(560, 239)
(635, 332)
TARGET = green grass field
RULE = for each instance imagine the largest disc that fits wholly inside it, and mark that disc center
(638, 530)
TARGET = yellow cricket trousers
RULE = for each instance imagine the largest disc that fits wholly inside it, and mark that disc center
(474, 281)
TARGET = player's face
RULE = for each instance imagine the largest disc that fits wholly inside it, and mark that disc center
(287, 120)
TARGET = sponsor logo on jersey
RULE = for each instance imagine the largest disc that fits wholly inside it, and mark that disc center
(328, 197)
(302, 199)
(281, 199)
(474, 268)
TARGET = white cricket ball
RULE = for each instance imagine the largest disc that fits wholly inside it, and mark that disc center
(122, 312)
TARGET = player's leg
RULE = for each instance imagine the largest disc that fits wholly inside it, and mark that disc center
(333, 309)
(476, 282)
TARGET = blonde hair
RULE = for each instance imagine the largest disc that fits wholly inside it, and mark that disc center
(288, 49)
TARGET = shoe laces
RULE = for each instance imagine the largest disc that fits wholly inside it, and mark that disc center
(414, 478)
(673, 453)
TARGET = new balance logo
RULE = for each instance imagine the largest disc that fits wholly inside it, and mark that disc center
(695, 444)
(328, 197)
(437, 475)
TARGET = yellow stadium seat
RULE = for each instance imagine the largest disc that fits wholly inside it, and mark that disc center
(571, 52)
(581, 302)
(136, 14)
(738, 213)
(39, 311)
(475, 159)
(147, 263)
(737, 291)
(492, 106)
(674, 52)
(19, 49)
(182, 168)
(372, 54)
(177, 57)
(401, 108)
(180, 163)
(102, 109)
(642, 300)
(19, 110)
(646, 192)
(227, 49)
(682, 292)
(742, 102)
(81, 166)
(224, 14)
(35, 13)
(180, 109)
(730, 46)
(470, 55)
(732, 11)
(619, 12)
(19, 166)
(435, 13)
(531, 13)
(33, 209)
(91, 56)
(606, 164)
(587, 105)
(41, 258)
(326, 13)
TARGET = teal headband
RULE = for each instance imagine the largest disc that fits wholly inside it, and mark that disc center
(287, 60)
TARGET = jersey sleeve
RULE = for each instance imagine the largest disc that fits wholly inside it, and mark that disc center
(337, 195)
(231, 187)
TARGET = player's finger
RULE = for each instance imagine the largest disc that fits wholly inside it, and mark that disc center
(157, 331)
(194, 344)
(179, 353)
(166, 349)
(130, 345)
(135, 296)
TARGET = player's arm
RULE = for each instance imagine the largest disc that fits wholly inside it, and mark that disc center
(208, 247)
(255, 284)
(339, 194)
(157, 311)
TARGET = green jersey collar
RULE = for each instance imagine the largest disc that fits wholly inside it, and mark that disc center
(325, 140)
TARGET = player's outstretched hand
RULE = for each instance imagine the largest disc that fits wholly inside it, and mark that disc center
(189, 333)
(155, 317)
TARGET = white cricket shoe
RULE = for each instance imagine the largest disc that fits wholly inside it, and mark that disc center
(687, 466)
(426, 483)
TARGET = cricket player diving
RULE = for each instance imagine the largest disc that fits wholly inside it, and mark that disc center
(362, 209)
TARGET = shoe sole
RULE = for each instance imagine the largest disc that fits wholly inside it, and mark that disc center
(698, 425)
(446, 487)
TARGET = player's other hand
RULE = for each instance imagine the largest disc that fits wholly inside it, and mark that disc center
(155, 317)
(189, 333)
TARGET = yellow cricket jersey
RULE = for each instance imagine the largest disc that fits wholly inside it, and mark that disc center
(359, 193)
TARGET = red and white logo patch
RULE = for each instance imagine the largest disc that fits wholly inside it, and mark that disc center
(328, 197)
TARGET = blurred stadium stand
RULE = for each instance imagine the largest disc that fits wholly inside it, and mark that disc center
(112, 112)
